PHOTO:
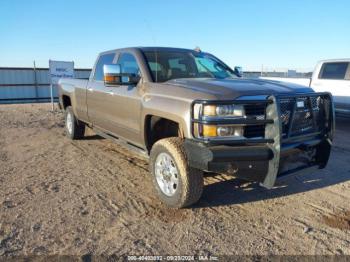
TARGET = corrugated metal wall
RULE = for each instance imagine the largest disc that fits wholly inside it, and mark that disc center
(29, 85)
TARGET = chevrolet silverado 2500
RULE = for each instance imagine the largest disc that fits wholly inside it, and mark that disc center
(188, 112)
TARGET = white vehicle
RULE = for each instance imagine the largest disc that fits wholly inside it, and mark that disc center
(329, 75)
(334, 76)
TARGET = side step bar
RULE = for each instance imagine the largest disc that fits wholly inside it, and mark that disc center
(139, 151)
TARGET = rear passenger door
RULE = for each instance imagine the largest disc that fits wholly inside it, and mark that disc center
(125, 102)
(334, 77)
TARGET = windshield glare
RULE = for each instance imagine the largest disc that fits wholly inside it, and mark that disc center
(167, 65)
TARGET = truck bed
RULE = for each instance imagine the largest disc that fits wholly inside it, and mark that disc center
(76, 82)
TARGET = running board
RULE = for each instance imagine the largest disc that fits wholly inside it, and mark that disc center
(120, 141)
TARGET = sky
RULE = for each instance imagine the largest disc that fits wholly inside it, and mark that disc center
(292, 34)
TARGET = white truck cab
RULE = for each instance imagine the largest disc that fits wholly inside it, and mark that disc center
(334, 76)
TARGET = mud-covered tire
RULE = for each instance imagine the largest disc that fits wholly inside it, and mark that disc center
(75, 129)
(190, 180)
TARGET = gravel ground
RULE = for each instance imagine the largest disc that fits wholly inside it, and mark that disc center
(94, 197)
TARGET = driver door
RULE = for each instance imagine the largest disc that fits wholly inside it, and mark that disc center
(116, 109)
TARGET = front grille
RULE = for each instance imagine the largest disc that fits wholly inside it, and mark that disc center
(257, 131)
(258, 112)
(300, 115)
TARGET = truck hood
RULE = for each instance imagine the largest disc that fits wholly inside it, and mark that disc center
(232, 88)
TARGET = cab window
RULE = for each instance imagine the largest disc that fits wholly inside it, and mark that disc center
(128, 64)
(103, 60)
(334, 70)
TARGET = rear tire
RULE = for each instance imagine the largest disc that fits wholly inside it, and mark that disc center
(177, 184)
(75, 129)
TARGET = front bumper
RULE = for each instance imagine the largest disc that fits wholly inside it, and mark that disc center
(279, 153)
(247, 162)
(252, 163)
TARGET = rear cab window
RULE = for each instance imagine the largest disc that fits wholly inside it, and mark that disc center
(335, 71)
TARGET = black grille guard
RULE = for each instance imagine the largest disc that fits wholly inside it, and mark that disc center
(322, 134)
(307, 121)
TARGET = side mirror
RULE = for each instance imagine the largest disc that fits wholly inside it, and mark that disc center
(239, 71)
(113, 76)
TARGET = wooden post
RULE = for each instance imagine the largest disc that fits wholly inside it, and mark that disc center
(35, 83)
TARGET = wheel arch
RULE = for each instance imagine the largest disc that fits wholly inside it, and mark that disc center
(158, 127)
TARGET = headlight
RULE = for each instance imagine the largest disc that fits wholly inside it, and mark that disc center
(210, 112)
(223, 110)
(221, 131)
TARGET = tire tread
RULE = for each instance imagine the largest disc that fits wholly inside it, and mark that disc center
(192, 179)
(78, 126)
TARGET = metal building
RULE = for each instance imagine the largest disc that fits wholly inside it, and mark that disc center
(27, 85)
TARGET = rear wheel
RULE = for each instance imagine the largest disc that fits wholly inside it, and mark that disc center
(177, 184)
(75, 129)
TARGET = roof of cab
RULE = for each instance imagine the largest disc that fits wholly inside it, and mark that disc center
(335, 60)
(151, 49)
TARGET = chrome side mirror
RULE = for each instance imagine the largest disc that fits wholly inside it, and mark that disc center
(112, 75)
(239, 71)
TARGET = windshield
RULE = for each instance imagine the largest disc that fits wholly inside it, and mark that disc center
(167, 65)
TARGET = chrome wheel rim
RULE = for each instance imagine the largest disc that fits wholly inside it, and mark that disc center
(69, 123)
(166, 174)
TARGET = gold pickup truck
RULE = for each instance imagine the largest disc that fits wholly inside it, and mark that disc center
(188, 112)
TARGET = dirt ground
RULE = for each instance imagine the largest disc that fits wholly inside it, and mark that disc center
(95, 197)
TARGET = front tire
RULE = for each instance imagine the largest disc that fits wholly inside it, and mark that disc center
(177, 184)
(75, 129)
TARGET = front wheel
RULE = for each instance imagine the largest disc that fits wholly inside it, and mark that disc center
(177, 184)
(75, 129)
